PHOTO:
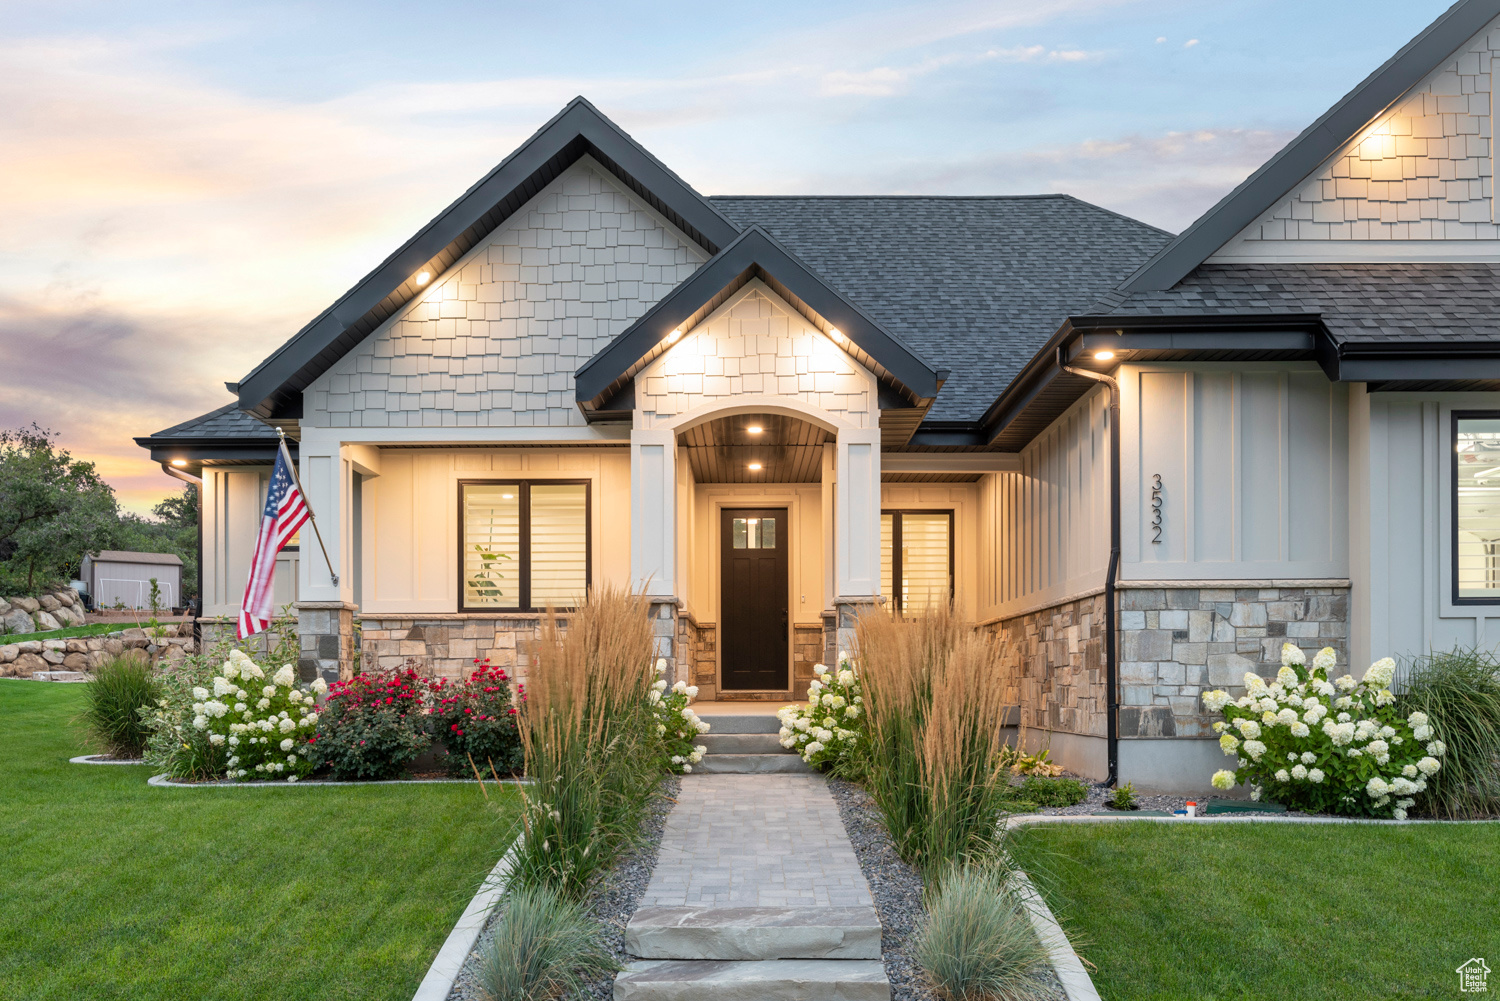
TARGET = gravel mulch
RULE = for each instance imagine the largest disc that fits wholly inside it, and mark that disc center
(897, 888)
(1099, 795)
(611, 904)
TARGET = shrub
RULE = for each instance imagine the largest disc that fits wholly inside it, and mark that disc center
(476, 720)
(677, 726)
(977, 943)
(935, 699)
(1459, 693)
(543, 946)
(264, 724)
(1326, 746)
(829, 732)
(372, 726)
(1054, 792)
(591, 745)
(1124, 797)
(113, 700)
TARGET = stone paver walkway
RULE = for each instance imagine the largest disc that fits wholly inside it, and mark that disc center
(756, 841)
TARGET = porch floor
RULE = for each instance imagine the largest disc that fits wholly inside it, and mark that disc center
(741, 708)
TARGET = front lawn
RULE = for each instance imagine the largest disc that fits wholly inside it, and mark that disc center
(1220, 911)
(113, 889)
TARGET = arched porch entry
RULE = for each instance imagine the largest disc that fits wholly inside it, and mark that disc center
(765, 513)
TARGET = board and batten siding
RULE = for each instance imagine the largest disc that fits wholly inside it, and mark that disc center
(1044, 531)
(1402, 530)
(1254, 470)
(410, 530)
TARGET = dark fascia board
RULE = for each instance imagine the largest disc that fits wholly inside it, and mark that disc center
(755, 253)
(1408, 361)
(578, 130)
(210, 451)
(1316, 144)
(1291, 333)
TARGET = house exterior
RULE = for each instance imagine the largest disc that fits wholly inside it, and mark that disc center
(1143, 462)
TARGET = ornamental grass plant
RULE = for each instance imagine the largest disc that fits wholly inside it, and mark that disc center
(935, 694)
(543, 946)
(590, 742)
(1459, 692)
(113, 700)
(976, 942)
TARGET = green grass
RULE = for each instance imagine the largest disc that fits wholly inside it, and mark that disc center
(112, 889)
(72, 632)
(1284, 911)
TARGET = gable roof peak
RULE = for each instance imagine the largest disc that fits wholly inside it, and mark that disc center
(1309, 150)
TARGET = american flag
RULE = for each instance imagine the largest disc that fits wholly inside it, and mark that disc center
(286, 511)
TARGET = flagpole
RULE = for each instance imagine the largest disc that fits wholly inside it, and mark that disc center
(311, 517)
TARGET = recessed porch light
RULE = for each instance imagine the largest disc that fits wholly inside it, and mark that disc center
(179, 463)
(754, 467)
(424, 277)
(674, 336)
(836, 334)
(507, 496)
(755, 429)
(1103, 355)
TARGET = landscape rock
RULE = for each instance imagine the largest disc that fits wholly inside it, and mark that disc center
(114, 647)
(45, 622)
(29, 646)
(67, 616)
(76, 662)
(52, 656)
(48, 602)
(4, 606)
(97, 659)
(68, 597)
(9, 652)
(95, 643)
(54, 644)
(131, 635)
(17, 621)
(76, 646)
(26, 604)
(26, 664)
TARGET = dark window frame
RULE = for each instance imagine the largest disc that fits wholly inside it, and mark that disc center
(1455, 417)
(898, 512)
(523, 558)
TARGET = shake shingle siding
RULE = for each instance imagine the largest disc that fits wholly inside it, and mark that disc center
(973, 285)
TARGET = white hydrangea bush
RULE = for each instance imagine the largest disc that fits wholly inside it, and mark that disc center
(1326, 746)
(828, 732)
(676, 723)
(261, 724)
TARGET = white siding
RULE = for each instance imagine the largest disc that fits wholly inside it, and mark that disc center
(496, 339)
(1044, 532)
(754, 344)
(233, 499)
(1401, 527)
(1421, 172)
(1253, 462)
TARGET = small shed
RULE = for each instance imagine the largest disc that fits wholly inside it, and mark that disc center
(118, 577)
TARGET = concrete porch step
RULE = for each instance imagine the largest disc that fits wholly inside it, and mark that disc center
(743, 743)
(778, 979)
(750, 764)
(747, 723)
(754, 933)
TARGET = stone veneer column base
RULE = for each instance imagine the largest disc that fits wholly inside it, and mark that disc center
(325, 630)
(664, 616)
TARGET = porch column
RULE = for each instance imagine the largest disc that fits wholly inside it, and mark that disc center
(856, 529)
(653, 533)
(325, 610)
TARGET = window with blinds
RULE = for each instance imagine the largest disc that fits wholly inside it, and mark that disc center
(525, 545)
(916, 559)
(1476, 508)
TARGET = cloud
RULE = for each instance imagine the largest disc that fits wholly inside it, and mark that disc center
(1190, 43)
(886, 81)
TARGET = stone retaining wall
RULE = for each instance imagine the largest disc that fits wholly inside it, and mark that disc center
(24, 657)
(1178, 642)
(56, 609)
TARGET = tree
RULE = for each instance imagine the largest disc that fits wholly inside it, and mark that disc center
(54, 509)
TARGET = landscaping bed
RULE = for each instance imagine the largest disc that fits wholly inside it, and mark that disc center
(116, 891)
(1290, 911)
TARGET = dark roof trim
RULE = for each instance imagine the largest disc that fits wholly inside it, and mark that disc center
(1316, 144)
(754, 254)
(198, 451)
(578, 130)
(1407, 362)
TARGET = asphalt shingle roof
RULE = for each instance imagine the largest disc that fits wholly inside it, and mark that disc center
(229, 421)
(974, 285)
(1366, 303)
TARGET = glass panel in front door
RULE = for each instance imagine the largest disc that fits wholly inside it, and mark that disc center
(754, 533)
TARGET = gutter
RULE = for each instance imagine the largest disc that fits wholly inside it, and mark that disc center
(1111, 652)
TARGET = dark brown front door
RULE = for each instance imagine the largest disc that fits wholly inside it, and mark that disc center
(753, 600)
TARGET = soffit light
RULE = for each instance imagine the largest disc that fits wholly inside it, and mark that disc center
(754, 467)
(1105, 355)
(507, 496)
(179, 463)
(424, 277)
(755, 429)
(836, 334)
(674, 336)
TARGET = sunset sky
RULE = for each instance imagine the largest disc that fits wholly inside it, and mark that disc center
(183, 185)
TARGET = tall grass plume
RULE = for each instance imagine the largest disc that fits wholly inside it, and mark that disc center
(1459, 690)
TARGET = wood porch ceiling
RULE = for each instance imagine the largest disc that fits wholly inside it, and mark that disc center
(789, 450)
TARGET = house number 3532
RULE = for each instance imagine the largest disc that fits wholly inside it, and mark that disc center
(1155, 508)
